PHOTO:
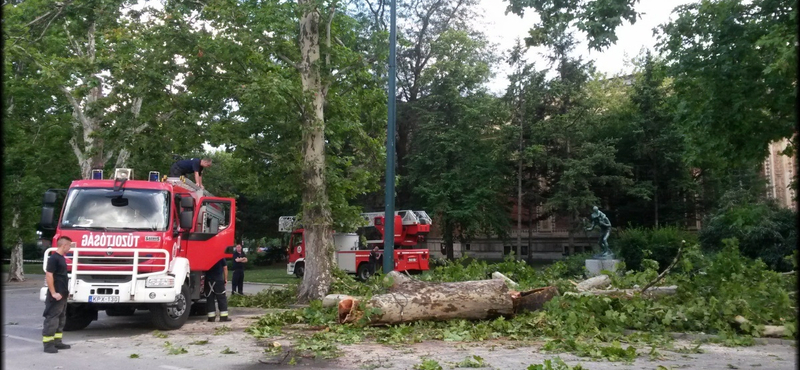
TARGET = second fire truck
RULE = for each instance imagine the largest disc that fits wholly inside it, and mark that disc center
(352, 253)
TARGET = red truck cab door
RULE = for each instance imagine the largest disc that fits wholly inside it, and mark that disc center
(211, 237)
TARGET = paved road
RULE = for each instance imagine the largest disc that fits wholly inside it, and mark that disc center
(113, 342)
(22, 332)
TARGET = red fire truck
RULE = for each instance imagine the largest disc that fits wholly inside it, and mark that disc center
(352, 254)
(139, 244)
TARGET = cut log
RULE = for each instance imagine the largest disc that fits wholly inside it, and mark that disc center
(773, 331)
(331, 300)
(411, 300)
(652, 292)
(511, 284)
(597, 282)
(534, 300)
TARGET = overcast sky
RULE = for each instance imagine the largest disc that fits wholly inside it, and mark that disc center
(505, 29)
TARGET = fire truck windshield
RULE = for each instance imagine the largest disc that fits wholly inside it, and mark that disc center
(88, 208)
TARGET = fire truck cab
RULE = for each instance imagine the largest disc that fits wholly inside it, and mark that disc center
(138, 245)
(352, 252)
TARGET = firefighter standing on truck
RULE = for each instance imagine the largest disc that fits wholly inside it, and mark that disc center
(55, 305)
(216, 280)
(190, 166)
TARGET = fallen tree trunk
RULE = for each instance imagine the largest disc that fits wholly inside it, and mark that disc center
(411, 300)
(765, 330)
(600, 281)
(652, 292)
(331, 300)
(511, 283)
(533, 300)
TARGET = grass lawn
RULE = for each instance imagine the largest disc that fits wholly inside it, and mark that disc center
(274, 273)
(27, 268)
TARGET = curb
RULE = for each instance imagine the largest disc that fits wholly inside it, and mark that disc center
(702, 336)
(270, 284)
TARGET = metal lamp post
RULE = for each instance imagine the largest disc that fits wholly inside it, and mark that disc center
(388, 235)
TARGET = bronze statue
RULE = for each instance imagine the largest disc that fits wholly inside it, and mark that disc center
(599, 218)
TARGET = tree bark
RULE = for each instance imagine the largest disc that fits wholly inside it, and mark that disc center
(16, 272)
(652, 292)
(411, 300)
(600, 281)
(316, 209)
(448, 239)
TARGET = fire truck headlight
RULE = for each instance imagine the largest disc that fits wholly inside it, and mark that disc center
(160, 282)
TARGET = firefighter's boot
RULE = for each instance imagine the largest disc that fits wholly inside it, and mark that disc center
(50, 347)
(59, 344)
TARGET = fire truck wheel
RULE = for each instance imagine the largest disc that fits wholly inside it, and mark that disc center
(300, 269)
(172, 317)
(79, 317)
(363, 272)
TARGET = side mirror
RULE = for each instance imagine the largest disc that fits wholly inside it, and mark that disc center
(49, 198)
(187, 202)
(48, 212)
(186, 219)
(47, 217)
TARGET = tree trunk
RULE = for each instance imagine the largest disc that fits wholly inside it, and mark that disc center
(316, 210)
(655, 194)
(530, 232)
(652, 292)
(573, 221)
(600, 281)
(16, 272)
(518, 252)
(411, 300)
(448, 239)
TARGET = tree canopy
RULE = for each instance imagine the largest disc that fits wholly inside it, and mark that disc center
(291, 96)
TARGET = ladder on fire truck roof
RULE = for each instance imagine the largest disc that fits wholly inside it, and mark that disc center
(409, 217)
(287, 224)
(188, 184)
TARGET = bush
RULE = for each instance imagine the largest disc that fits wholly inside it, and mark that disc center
(763, 229)
(636, 244)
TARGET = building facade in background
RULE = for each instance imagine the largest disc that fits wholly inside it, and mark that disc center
(779, 170)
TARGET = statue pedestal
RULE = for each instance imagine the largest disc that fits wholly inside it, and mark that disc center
(594, 266)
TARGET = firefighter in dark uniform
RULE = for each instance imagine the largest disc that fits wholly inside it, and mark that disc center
(216, 279)
(239, 260)
(55, 304)
(375, 258)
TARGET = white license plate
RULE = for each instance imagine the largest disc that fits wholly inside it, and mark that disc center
(412, 260)
(103, 299)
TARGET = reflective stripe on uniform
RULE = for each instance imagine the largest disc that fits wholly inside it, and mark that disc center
(212, 314)
(223, 313)
(47, 339)
(59, 335)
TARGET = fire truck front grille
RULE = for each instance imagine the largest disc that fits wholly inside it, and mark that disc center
(106, 278)
(111, 261)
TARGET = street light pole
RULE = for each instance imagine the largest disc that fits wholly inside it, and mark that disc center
(388, 235)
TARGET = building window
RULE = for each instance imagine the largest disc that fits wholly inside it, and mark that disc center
(524, 250)
(507, 249)
(466, 247)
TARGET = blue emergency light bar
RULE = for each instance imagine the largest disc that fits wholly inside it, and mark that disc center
(154, 175)
(97, 174)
